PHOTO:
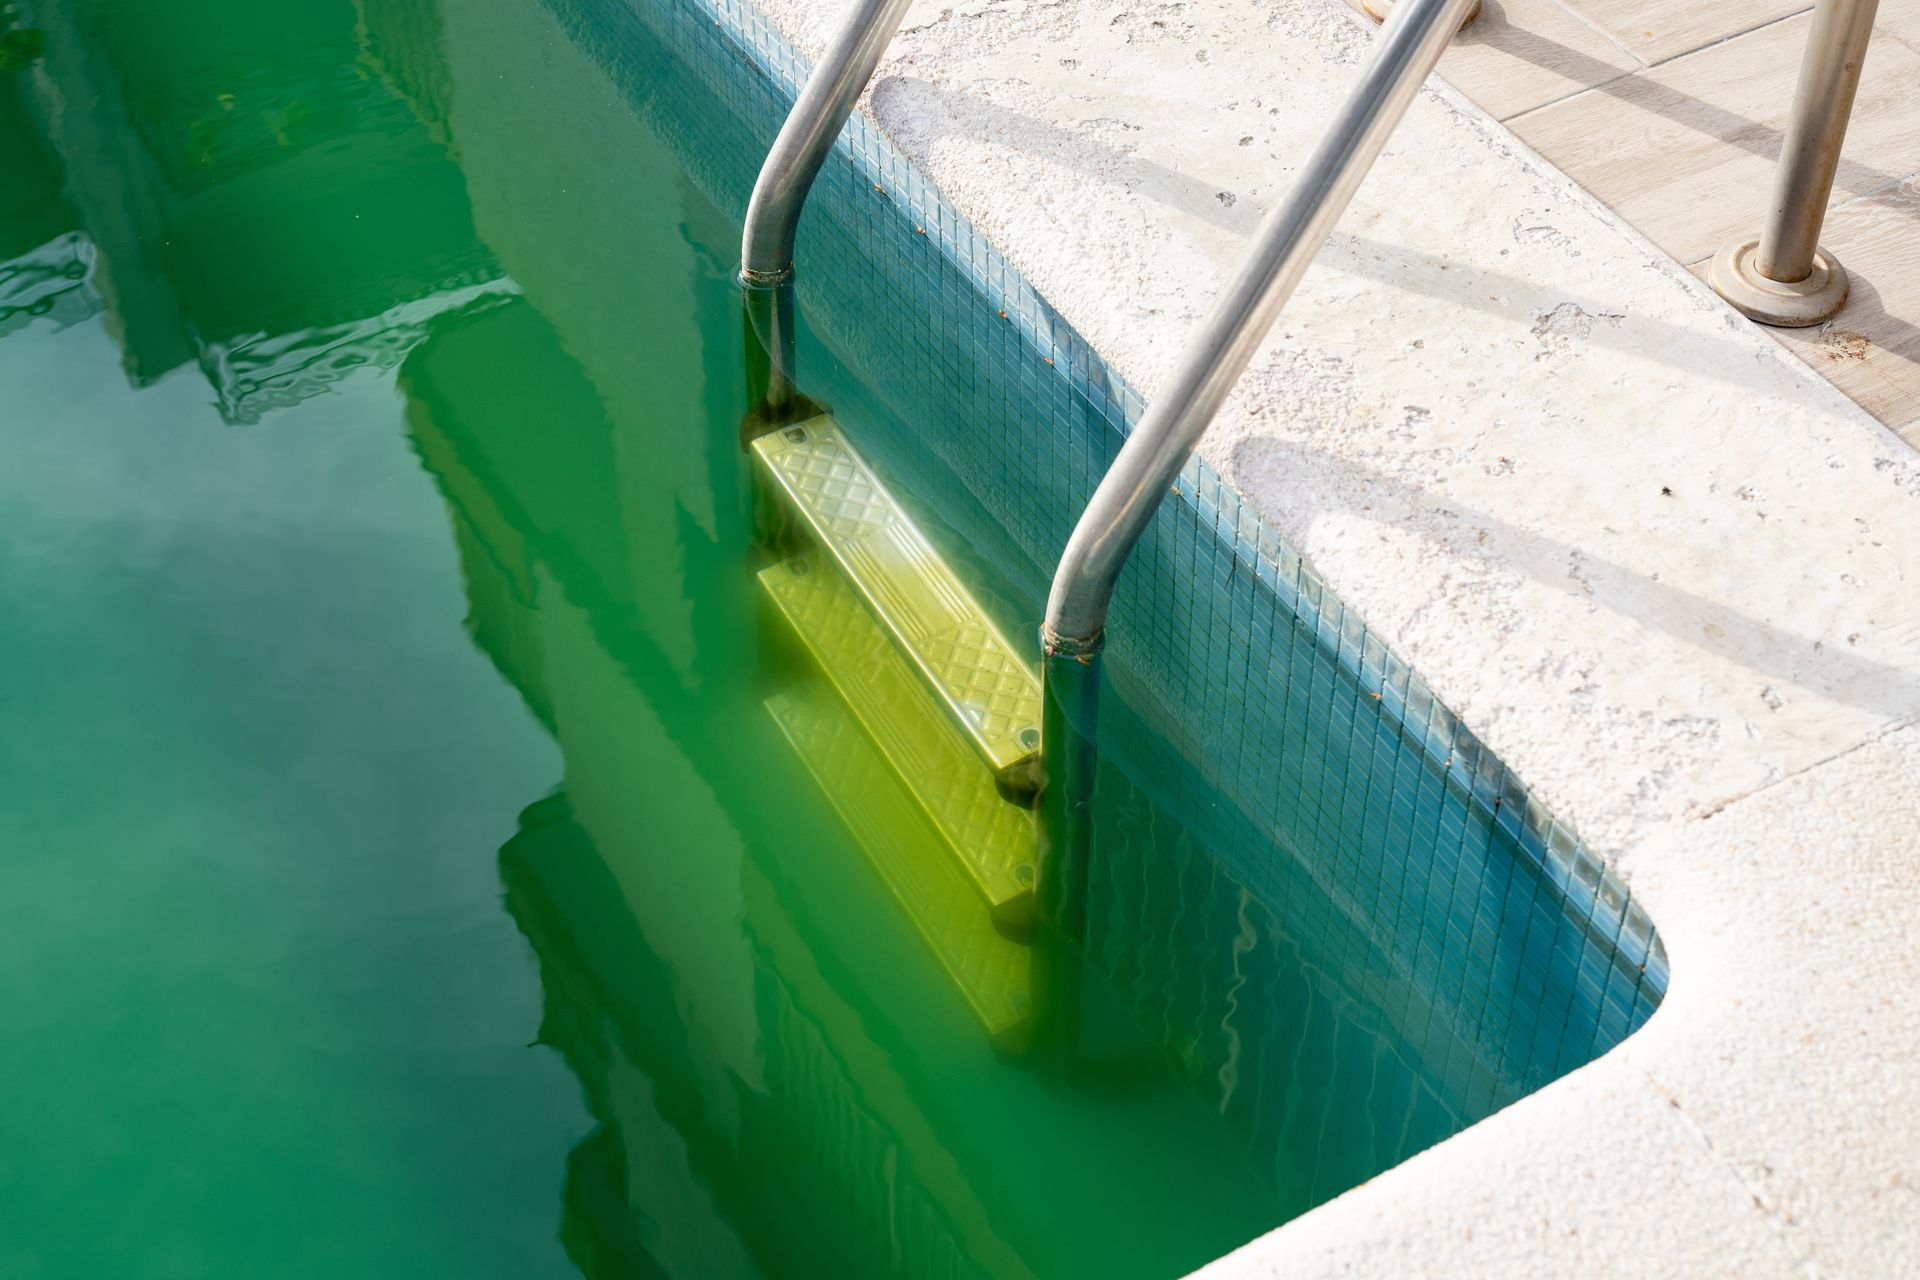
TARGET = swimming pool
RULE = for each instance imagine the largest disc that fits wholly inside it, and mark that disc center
(355, 323)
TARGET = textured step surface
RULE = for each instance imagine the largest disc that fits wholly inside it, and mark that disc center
(991, 971)
(993, 694)
(992, 840)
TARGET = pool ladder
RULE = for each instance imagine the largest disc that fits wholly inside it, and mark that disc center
(925, 727)
(919, 721)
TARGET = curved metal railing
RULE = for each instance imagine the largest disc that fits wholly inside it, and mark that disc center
(1409, 45)
(773, 212)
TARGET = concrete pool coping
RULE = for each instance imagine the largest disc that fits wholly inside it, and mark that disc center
(1665, 571)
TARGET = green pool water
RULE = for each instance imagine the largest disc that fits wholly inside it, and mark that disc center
(404, 876)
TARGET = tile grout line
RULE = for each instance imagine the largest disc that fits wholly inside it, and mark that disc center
(1574, 92)
(1885, 729)
(1890, 184)
(1517, 116)
(1730, 37)
(1640, 63)
(1770, 1217)
(1647, 67)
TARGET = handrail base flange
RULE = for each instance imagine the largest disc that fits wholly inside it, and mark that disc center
(1379, 9)
(1735, 276)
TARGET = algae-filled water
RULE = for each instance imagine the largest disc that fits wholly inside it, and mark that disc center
(403, 875)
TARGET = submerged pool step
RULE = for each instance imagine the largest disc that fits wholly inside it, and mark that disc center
(991, 970)
(992, 694)
(991, 840)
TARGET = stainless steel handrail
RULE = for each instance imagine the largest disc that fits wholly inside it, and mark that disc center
(1409, 44)
(1405, 52)
(1783, 276)
(773, 212)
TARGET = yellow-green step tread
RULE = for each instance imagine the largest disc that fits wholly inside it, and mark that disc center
(992, 693)
(992, 839)
(991, 971)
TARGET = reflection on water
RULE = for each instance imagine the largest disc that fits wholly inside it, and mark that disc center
(722, 970)
(521, 218)
(251, 185)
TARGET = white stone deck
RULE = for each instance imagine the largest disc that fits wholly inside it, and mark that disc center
(1673, 114)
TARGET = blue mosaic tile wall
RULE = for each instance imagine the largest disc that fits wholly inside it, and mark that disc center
(1313, 884)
